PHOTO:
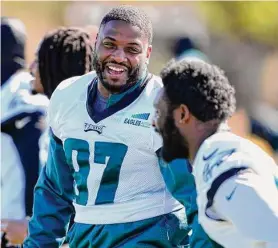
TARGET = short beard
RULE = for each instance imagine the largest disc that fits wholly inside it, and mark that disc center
(134, 75)
(174, 144)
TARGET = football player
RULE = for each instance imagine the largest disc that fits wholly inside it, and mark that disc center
(102, 162)
(20, 113)
(235, 179)
(63, 53)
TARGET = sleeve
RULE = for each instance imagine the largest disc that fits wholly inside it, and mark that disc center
(52, 201)
(180, 182)
(250, 202)
(24, 131)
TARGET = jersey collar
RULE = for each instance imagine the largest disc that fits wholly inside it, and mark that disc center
(116, 102)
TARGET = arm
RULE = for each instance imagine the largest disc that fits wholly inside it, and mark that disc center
(180, 182)
(52, 201)
(198, 237)
(250, 202)
(188, 195)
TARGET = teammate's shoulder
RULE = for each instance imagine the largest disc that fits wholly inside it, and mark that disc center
(229, 147)
(155, 82)
(229, 140)
(224, 152)
(223, 140)
(72, 87)
(215, 157)
(153, 85)
(75, 83)
(69, 92)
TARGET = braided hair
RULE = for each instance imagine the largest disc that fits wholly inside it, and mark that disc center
(64, 53)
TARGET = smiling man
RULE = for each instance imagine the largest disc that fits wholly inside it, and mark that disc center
(102, 162)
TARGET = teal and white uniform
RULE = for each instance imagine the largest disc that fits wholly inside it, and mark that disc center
(103, 166)
(237, 192)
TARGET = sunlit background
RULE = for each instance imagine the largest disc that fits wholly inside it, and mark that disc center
(240, 37)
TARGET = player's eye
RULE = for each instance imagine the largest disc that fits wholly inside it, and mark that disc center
(108, 45)
(133, 50)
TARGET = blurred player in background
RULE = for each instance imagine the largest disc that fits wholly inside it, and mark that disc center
(188, 47)
(20, 114)
(62, 53)
(236, 180)
(264, 120)
(103, 163)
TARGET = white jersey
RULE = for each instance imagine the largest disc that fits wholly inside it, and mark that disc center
(227, 204)
(17, 109)
(117, 175)
(12, 181)
(16, 98)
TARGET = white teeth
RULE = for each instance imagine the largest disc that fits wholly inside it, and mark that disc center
(115, 69)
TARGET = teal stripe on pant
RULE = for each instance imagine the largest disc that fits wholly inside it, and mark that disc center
(166, 231)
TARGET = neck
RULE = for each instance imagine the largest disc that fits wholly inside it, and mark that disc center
(107, 94)
(195, 145)
(204, 130)
(103, 91)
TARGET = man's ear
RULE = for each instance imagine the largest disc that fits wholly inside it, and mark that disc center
(181, 115)
(96, 41)
(149, 51)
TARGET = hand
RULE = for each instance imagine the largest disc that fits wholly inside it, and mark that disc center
(16, 230)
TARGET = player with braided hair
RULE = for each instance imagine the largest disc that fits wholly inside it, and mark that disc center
(63, 53)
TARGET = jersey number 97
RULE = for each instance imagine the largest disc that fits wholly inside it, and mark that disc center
(78, 157)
